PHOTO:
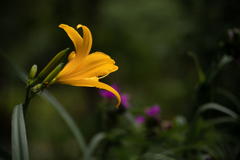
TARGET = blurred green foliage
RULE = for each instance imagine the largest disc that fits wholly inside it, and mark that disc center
(148, 40)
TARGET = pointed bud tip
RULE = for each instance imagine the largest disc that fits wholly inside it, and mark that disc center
(66, 49)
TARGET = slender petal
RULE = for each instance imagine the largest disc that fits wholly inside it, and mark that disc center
(109, 95)
(73, 35)
(82, 47)
(93, 83)
(87, 43)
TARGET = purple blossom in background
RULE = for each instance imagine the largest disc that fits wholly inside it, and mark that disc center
(125, 100)
(153, 111)
(140, 119)
(109, 95)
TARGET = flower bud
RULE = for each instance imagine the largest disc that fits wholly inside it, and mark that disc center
(33, 72)
(53, 64)
(53, 74)
(50, 67)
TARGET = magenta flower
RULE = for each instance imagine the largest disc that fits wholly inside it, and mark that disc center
(125, 100)
(140, 119)
(153, 111)
(109, 95)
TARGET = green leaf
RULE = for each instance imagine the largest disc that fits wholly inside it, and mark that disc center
(230, 96)
(48, 97)
(224, 60)
(93, 145)
(22, 133)
(225, 119)
(218, 107)
(22, 74)
(19, 137)
(15, 138)
(201, 74)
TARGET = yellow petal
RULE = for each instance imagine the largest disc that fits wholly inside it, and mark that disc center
(94, 83)
(82, 47)
(79, 26)
(73, 35)
(71, 56)
(95, 64)
(87, 43)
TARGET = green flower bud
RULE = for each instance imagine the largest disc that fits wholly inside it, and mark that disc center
(53, 74)
(33, 72)
(50, 67)
(53, 64)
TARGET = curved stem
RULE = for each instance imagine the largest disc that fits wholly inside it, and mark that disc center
(27, 100)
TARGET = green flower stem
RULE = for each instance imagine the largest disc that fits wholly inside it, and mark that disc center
(29, 96)
(27, 100)
(34, 82)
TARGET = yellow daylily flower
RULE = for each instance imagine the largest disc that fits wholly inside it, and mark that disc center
(84, 69)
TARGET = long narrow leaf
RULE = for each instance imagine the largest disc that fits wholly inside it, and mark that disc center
(201, 74)
(22, 133)
(22, 74)
(220, 120)
(93, 145)
(15, 139)
(218, 107)
(19, 138)
(230, 96)
(48, 97)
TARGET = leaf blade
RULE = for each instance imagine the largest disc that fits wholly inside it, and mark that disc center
(218, 107)
(93, 144)
(19, 137)
(22, 134)
(48, 97)
(15, 139)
